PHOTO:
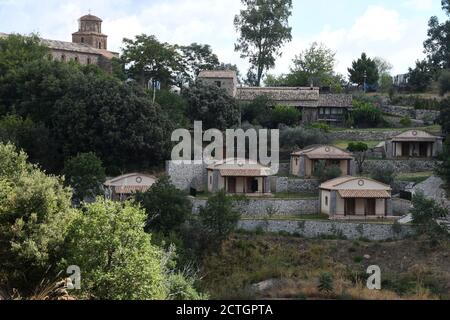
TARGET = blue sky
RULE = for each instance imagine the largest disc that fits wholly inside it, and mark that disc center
(392, 29)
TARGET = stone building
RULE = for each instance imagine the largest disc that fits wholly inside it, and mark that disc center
(413, 144)
(89, 45)
(329, 108)
(355, 198)
(304, 162)
(239, 176)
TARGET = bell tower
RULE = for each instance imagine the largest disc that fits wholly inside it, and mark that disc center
(90, 32)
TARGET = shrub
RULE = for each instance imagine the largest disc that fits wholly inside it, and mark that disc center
(406, 121)
(321, 126)
(258, 111)
(85, 174)
(286, 115)
(299, 137)
(325, 173)
(385, 173)
(326, 282)
(365, 115)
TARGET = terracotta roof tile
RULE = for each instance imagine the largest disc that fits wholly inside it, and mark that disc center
(377, 194)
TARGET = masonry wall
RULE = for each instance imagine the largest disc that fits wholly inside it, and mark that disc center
(292, 185)
(185, 176)
(315, 229)
(264, 207)
(401, 166)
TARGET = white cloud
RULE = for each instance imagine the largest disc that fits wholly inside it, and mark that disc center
(419, 5)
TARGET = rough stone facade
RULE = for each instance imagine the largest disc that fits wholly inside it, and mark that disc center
(401, 166)
(266, 207)
(400, 207)
(291, 185)
(364, 135)
(315, 229)
(427, 116)
(187, 176)
(433, 188)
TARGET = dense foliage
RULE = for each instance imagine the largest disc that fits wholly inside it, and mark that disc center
(365, 115)
(364, 70)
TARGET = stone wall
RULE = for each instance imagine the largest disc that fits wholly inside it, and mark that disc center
(264, 207)
(401, 166)
(401, 207)
(428, 116)
(185, 176)
(314, 229)
(364, 135)
(294, 185)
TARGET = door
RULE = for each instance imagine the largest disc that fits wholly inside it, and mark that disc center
(423, 149)
(231, 185)
(350, 207)
(405, 149)
(370, 207)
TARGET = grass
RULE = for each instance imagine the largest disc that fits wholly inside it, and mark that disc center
(295, 266)
(297, 195)
(417, 177)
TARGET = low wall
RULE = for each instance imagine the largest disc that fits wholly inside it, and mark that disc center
(264, 207)
(293, 185)
(315, 229)
(401, 166)
(364, 135)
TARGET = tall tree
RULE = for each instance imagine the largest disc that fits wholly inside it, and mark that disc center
(420, 77)
(198, 57)
(146, 58)
(364, 69)
(264, 28)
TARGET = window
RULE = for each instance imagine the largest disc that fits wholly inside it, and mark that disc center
(82, 39)
(88, 60)
(218, 83)
(63, 58)
(210, 179)
(76, 59)
(296, 161)
(326, 201)
(99, 45)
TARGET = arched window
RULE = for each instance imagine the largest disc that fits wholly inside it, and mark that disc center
(76, 59)
(88, 60)
(99, 45)
(63, 58)
(82, 39)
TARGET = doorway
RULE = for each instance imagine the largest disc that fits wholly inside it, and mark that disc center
(423, 149)
(231, 185)
(370, 207)
(405, 149)
(350, 207)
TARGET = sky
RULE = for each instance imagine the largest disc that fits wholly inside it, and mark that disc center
(391, 29)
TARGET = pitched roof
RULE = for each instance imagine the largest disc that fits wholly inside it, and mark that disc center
(112, 181)
(299, 96)
(225, 74)
(69, 46)
(323, 152)
(337, 184)
(415, 135)
(335, 100)
(236, 167)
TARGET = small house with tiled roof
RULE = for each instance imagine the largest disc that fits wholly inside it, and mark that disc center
(305, 162)
(413, 144)
(355, 198)
(239, 176)
(123, 187)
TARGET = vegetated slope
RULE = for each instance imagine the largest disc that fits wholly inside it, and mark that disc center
(296, 268)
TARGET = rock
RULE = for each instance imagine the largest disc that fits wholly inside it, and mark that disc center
(265, 285)
(366, 256)
(432, 188)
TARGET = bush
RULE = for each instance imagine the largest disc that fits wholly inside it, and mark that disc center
(406, 122)
(385, 174)
(85, 174)
(258, 112)
(218, 219)
(326, 282)
(286, 115)
(167, 207)
(299, 137)
(365, 115)
(321, 126)
(117, 259)
(444, 82)
(359, 150)
(325, 173)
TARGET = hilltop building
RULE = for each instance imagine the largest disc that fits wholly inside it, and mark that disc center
(329, 108)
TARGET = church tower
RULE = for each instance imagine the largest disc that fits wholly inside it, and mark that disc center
(90, 32)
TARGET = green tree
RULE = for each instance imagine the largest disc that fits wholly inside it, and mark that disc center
(218, 219)
(365, 114)
(359, 150)
(419, 78)
(385, 174)
(167, 207)
(35, 213)
(287, 115)
(258, 111)
(85, 174)
(424, 214)
(364, 69)
(386, 83)
(147, 58)
(443, 170)
(444, 82)
(300, 137)
(436, 46)
(444, 118)
(324, 172)
(197, 57)
(212, 105)
(263, 29)
(118, 261)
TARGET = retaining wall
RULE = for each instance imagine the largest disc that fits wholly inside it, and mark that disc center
(294, 185)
